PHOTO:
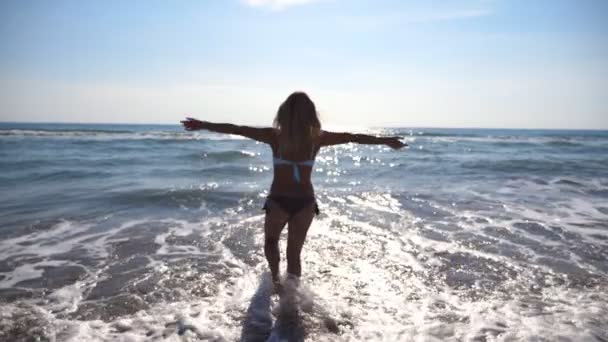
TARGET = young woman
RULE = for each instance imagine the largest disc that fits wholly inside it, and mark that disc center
(295, 141)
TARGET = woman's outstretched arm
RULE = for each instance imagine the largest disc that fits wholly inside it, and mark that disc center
(333, 138)
(264, 135)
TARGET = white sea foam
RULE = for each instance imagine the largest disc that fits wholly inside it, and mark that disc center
(363, 281)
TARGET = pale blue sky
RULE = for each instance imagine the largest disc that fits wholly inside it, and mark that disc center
(460, 63)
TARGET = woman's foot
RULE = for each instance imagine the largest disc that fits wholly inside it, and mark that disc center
(292, 280)
(277, 287)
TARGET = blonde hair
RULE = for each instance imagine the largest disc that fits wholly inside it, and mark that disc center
(298, 123)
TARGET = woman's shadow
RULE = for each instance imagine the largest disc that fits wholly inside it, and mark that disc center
(258, 323)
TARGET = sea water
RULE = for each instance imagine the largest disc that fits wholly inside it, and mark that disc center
(150, 233)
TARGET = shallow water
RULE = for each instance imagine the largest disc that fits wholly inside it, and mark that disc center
(148, 233)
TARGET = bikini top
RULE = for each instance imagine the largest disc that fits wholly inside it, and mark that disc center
(294, 164)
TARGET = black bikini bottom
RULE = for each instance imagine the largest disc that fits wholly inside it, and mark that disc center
(292, 205)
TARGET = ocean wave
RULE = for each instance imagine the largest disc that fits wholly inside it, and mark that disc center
(175, 198)
(228, 156)
(62, 132)
(71, 175)
(506, 138)
(522, 165)
(588, 134)
(116, 134)
(436, 134)
(507, 141)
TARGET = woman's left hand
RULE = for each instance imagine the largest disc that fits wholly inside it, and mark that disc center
(191, 124)
(395, 143)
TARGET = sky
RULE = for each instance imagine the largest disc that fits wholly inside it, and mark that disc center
(450, 63)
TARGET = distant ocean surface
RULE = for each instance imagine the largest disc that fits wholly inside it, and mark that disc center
(150, 233)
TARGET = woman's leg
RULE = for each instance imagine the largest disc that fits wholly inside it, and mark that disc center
(298, 227)
(275, 221)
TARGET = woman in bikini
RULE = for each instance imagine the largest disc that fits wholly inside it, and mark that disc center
(295, 141)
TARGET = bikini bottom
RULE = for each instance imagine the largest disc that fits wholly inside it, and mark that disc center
(292, 205)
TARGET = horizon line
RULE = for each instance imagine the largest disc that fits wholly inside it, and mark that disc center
(365, 126)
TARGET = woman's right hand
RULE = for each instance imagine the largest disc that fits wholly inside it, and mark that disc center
(395, 143)
(191, 124)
